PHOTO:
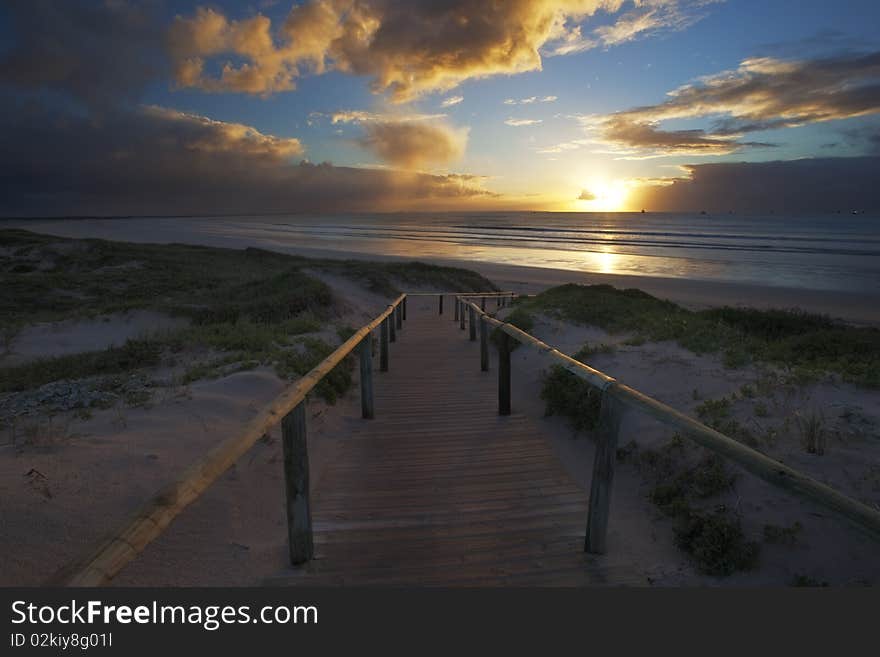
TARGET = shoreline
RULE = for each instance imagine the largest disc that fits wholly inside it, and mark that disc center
(855, 307)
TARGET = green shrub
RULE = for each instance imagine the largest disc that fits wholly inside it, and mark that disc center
(569, 396)
(716, 542)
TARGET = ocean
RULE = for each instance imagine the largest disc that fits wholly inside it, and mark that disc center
(819, 252)
(827, 252)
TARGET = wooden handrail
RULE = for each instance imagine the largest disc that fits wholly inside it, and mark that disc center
(860, 515)
(105, 560)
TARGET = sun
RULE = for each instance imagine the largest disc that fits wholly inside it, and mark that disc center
(603, 196)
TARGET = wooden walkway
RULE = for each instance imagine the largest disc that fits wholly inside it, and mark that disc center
(439, 489)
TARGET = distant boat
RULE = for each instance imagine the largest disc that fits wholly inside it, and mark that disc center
(643, 210)
(703, 212)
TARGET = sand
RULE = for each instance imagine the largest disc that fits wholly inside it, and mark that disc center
(74, 336)
(827, 549)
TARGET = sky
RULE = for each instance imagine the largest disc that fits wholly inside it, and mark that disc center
(161, 107)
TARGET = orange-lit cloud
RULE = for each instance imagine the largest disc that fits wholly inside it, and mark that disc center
(761, 94)
(407, 47)
(210, 136)
(414, 145)
(407, 140)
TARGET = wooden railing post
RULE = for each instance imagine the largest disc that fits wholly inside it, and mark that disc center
(457, 302)
(483, 304)
(383, 345)
(392, 331)
(398, 317)
(610, 415)
(366, 353)
(403, 305)
(461, 315)
(472, 319)
(296, 479)
(503, 373)
(441, 305)
(484, 344)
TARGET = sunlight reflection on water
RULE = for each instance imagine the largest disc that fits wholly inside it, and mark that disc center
(832, 252)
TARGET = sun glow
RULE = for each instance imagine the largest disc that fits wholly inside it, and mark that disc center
(603, 196)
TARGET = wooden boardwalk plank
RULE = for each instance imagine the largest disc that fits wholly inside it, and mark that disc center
(439, 489)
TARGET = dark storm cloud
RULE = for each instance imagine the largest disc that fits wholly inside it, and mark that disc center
(158, 161)
(809, 185)
(98, 53)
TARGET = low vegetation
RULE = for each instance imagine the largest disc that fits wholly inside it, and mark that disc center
(571, 397)
(245, 307)
(682, 487)
(806, 344)
(48, 278)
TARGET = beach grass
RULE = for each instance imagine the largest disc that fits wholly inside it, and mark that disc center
(807, 344)
(246, 307)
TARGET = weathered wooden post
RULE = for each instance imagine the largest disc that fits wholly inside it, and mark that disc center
(296, 479)
(484, 344)
(472, 318)
(398, 317)
(483, 304)
(391, 330)
(457, 302)
(383, 346)
(503, 373)
(404, 308)
(366, 353)
(610, 415)
(461, 315)
(441, 305)
(498, 302)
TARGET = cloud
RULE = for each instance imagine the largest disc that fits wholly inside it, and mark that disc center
(406, 47)
(360, 116)
(94, 52)
(649, 17)
(761, 94)
(414, 145)
(452, 100)
(522, 122)
(802, 186)
(646, 136)
(530, 100)
(159, 161)
(210, 136)
(586, 195)
(565, 146)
